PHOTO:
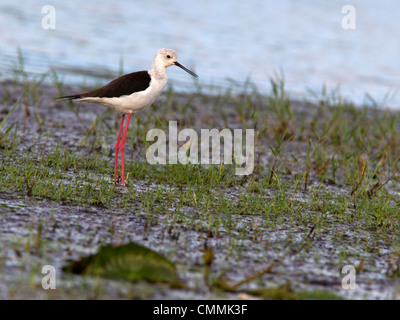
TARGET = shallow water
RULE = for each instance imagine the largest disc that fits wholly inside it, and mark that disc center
(221, 40)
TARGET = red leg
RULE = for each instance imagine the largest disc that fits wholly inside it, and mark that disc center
(117, 147)
(122, 147)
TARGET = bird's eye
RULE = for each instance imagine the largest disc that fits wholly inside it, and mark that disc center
(168, 56)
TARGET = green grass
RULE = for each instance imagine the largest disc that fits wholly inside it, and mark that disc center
(325, 169)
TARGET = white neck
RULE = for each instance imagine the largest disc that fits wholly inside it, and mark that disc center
(158, 71)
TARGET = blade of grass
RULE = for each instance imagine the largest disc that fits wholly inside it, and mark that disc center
(12, 109)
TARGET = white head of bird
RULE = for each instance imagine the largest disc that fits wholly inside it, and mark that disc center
(165, 58)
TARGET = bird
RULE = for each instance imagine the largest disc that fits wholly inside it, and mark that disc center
(132, 93)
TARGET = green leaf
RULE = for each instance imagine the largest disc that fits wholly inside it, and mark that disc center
(130, 262)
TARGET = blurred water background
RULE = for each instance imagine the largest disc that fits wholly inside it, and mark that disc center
(225, 42)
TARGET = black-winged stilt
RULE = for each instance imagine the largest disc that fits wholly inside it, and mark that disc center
(132, 93)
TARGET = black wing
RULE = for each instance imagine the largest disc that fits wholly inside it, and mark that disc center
(125, 85)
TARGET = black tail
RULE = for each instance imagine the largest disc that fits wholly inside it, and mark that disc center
(73, 97)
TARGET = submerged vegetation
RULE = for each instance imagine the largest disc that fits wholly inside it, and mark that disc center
(324, 193)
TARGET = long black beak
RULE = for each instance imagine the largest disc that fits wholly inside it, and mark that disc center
(186, 69)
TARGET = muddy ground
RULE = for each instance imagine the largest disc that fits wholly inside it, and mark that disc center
(37, 231)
